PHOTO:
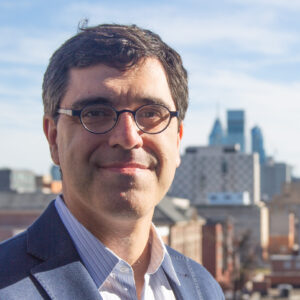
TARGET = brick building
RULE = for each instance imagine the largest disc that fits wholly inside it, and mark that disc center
(18, 211)
(285, 269)
(284, 212)
(180, 227)
(252, 220)
(218, 251)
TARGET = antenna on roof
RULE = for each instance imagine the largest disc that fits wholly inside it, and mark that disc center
(218, 109)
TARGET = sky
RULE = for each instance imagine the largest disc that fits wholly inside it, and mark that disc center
(240, 54)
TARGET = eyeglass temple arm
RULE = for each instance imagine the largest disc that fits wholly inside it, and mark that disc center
(69, 112)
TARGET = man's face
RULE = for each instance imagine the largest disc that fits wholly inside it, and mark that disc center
(125, 172)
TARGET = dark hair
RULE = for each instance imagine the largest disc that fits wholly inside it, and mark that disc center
(118, 46)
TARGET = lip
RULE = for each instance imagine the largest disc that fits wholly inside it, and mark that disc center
(125, 168)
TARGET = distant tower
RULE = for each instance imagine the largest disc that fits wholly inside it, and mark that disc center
(236, 128)
(55, 173)
(258, 144)
(216, 136)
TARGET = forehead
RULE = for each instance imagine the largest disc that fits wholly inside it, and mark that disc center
(143, 83)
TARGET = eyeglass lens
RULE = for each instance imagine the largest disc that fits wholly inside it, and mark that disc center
(102, 118)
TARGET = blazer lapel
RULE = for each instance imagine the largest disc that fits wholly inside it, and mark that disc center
(66, 280)
(60, 272)
(188, 287)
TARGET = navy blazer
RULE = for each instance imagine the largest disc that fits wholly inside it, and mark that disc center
(43, 263)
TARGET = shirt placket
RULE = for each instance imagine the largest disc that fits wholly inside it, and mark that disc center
(125, 281)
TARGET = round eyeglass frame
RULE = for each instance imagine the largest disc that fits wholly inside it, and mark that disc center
(78, 113)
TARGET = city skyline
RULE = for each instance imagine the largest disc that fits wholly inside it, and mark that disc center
(239, 55)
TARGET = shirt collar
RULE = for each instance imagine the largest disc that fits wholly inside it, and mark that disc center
(100, 260)
(160, 257)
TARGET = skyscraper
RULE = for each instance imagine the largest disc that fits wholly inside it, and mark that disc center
(217, 136)
(258, 144)
(236, 128)
(55, 173)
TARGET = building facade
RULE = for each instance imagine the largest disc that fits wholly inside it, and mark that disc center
(218, 251)
(273, 177)
(257, 144)
(217, 135)
(236, 128)
(284, 215)
(19, 181)
(217, 175)
(179, 226)
(18, 211)
(250, 221)
(285, 269)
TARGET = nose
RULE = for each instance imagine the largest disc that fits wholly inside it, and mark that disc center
(126, 134)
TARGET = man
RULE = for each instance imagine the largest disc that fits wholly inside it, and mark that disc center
(114, 98)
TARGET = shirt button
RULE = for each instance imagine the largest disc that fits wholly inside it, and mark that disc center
(124, 269)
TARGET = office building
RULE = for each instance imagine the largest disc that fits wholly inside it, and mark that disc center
(217, 136)
(257, 142)
(273, 177)
(55, 173)
(19, 181)
(217, 175)
(236, 128)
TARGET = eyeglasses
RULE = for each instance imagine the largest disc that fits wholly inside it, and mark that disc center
(101, 118)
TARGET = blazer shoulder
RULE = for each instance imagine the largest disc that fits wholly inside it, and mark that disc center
(209, 287)
(13, 246)
(14, 257)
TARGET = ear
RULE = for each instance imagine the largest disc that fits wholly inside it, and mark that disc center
(50, 130)
(179, 138)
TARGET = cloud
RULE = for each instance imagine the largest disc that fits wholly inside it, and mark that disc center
(189, 26)
(8, 4)
(281, 4)
(28, 47)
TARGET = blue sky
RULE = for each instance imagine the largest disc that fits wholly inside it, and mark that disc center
(240, 54)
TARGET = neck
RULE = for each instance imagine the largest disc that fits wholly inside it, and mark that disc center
(131, 241)
(128, 240)
(127, 236)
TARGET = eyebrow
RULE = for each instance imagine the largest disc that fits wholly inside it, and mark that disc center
(90, 101)
(79, 104)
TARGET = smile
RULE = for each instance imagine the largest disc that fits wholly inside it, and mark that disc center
(125, 168)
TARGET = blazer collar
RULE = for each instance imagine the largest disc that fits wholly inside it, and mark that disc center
(187, 286)
(60, 272)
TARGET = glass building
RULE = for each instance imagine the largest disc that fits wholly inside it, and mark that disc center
(217, 136)
(236, 128)
(257, 141)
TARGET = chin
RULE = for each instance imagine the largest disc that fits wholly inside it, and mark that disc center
(129, 205)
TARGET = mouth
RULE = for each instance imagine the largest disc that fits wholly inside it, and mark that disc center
(125, 168)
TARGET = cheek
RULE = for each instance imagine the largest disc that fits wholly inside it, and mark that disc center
(170, 158)
(72, 149)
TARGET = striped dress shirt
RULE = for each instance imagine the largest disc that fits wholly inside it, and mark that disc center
(113, 276)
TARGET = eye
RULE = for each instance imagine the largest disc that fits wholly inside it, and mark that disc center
(98, 112)
(150, 113)
(94, 113)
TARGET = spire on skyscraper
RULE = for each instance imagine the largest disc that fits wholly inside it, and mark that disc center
(258, 143)
(216, 136)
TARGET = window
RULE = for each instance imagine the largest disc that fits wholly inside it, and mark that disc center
(287, 265)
